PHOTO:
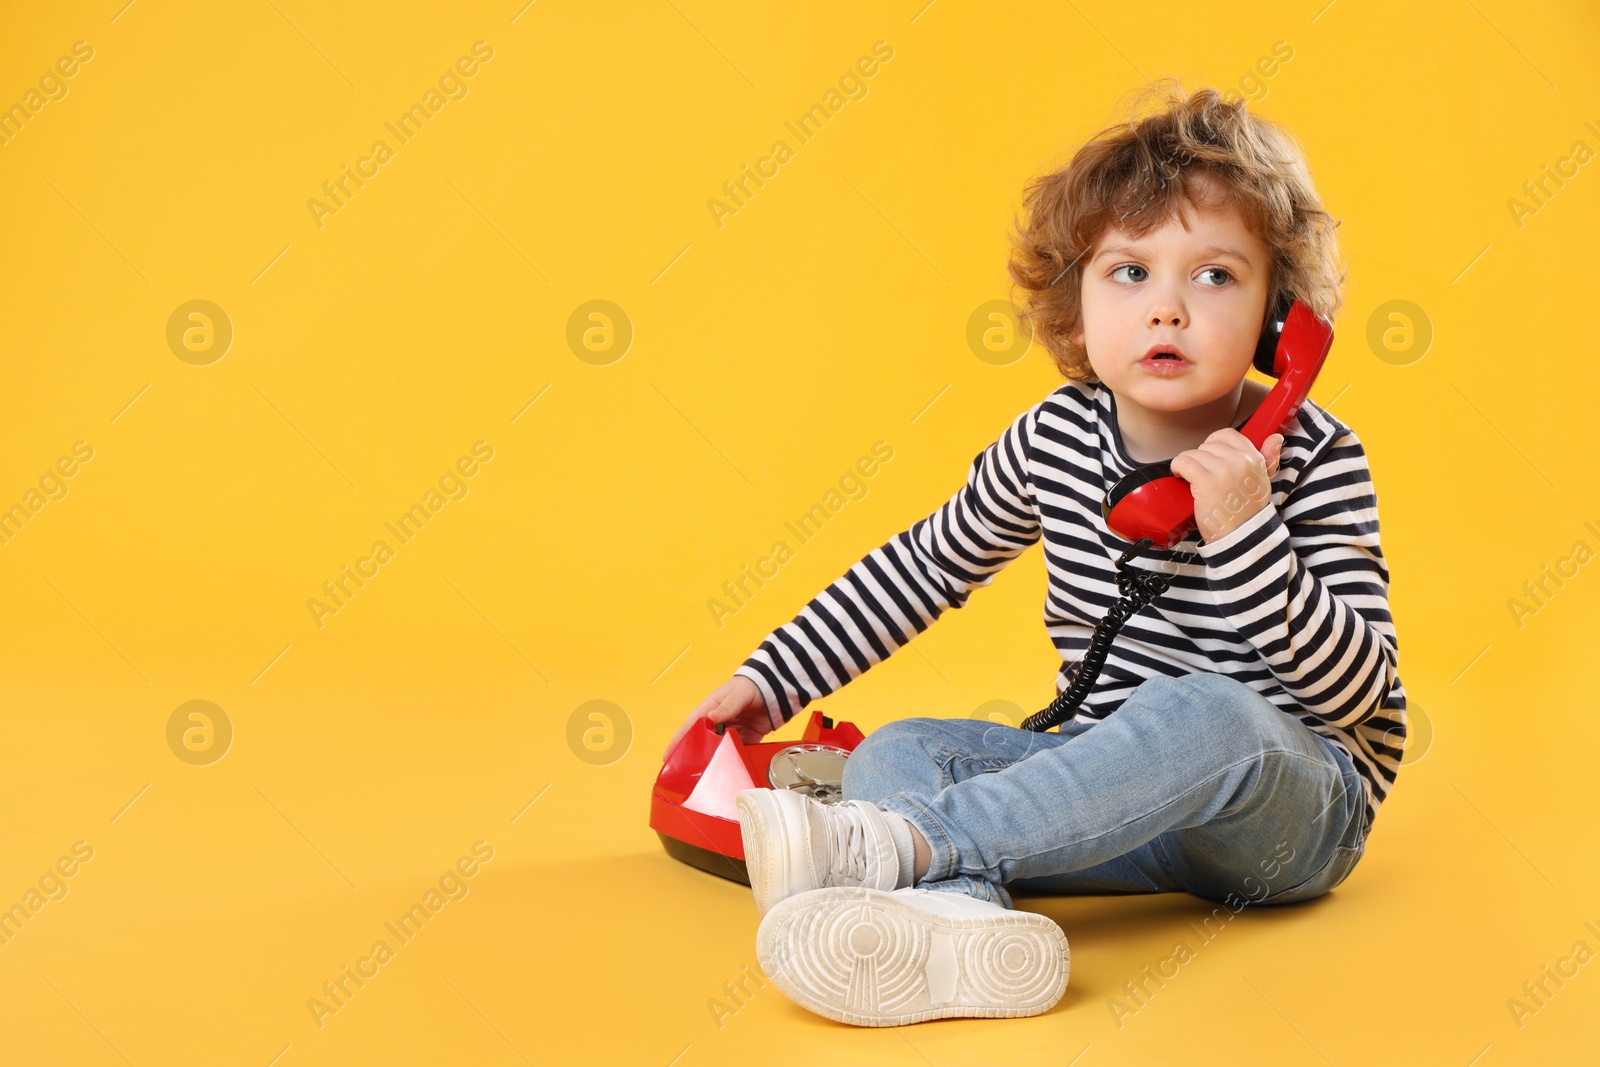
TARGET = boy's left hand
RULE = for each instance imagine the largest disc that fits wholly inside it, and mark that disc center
(1229, 478)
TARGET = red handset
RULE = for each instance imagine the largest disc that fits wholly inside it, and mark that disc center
(1155, 503)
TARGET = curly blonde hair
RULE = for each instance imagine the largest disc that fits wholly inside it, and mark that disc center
(1136, 175)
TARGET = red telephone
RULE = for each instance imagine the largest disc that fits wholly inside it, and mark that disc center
(692, 803)
(1153, 507)
(1155, 503)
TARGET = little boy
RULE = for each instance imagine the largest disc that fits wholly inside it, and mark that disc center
(1246, 725)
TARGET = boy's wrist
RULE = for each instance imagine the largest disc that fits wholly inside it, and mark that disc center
(772, 700)
(1243, 532)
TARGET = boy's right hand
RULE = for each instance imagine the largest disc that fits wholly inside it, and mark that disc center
(737, 702)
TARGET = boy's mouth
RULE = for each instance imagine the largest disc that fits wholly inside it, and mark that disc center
(1166, 355)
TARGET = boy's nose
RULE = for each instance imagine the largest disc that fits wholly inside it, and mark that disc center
(1166, 316)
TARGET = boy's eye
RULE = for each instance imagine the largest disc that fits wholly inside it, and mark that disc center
(1130, 266)
(1217, 270)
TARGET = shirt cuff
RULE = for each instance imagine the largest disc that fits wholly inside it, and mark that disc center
(769, 696)
(1249, 538)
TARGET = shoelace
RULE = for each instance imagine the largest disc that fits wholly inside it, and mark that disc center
(849, 862)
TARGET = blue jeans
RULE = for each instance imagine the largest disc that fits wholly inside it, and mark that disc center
(1196, 784)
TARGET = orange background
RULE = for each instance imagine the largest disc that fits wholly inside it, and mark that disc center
(767, 354)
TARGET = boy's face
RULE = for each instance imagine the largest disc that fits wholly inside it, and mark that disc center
(1202, 290)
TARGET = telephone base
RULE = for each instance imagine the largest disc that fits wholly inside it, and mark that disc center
(711, 862)
(692, 804)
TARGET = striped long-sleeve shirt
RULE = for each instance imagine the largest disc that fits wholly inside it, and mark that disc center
(1293, 602)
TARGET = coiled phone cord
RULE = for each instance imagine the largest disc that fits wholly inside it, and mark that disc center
(1138, 588)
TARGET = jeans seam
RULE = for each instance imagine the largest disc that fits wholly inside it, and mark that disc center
(947, 756)
(1277, 898)
(1163, 859)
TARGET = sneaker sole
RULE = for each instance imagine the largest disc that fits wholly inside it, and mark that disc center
(761, 819)
(864, 957)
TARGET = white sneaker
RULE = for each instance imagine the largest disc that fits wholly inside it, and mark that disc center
(793, 843)
(872, 958)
